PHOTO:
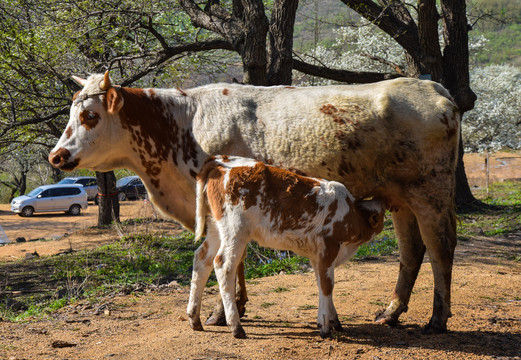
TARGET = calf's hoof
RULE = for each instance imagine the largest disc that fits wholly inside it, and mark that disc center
(196, 325)
(434, 328)
(239, 333)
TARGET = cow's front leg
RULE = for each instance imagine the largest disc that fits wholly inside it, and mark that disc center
(327, 318)
(217, 317)
(203, 260)
(412, 252)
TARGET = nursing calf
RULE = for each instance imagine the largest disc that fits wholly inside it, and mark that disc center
(248, 200)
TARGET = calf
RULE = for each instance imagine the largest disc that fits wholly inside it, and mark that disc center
(249, 200)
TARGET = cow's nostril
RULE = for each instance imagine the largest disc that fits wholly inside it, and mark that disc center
(56, 160)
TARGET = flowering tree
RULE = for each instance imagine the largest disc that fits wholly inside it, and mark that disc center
(365, 47)
(495, 121)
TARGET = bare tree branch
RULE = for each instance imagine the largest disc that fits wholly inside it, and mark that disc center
(350, 77)
(36, 120)
(393, 18)
(173, 51)
(396, 67)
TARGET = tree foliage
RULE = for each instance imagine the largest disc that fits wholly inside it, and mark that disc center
(162, 43)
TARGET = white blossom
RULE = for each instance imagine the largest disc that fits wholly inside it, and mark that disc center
(495, 121)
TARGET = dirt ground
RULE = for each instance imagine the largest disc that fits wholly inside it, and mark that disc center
(65, 232)
(281, 312)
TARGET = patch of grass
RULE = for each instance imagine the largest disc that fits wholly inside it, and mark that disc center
(262, 262)
(377, 302)
(307, 307)
(35, 288)
(280, 289)
(267, 305)
(500, 218)
(384, 243)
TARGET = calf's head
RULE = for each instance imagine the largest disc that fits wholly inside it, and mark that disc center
(93, 131)
(371, 217)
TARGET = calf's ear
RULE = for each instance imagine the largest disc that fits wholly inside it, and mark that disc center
(371, 209)
(374, 220)
(114, 100)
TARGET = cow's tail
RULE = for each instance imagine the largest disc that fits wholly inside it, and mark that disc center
(200, 208)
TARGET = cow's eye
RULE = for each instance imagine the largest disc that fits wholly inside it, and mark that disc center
(89, 119)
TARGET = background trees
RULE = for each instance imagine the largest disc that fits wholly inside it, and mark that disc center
(186, 43)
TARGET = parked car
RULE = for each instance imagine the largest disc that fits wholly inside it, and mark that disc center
(58, 197)
(89, 185)
(130, 187)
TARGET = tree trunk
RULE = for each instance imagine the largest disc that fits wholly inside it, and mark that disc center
(253, 47)
(108, 198)
(280, 47)
(456, 78)
(464, 196)
(430, 57)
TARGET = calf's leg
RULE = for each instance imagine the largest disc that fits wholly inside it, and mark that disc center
(217, 317)
(225, 265)
(412, 251)
(203, 260)
(327, 316)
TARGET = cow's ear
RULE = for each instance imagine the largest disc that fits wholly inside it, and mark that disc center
(114, 100)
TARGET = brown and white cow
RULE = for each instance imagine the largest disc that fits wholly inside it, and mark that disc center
(395, 139)
(248, 200)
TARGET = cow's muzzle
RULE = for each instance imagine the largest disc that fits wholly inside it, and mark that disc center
(60, 160)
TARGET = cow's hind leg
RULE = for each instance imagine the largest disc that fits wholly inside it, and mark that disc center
(203, 260)
(225, 264)
(217, 317)
(412, 251)
(439, 235)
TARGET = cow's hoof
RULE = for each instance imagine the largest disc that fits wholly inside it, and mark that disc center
(241, 307)
(239, 333)
(196, 325)
(337, 325)
(431, 328)
(216, 320)
(325, 333)
(385, 319)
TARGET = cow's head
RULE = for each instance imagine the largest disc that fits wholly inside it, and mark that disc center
(93, 130)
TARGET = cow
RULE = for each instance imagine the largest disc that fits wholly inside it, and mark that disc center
(396, 140)
(249, 200)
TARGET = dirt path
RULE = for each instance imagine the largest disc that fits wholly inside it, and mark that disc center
(63, 232)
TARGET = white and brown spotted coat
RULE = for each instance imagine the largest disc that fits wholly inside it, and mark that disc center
(249, 200)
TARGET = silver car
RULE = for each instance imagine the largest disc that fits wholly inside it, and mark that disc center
(69, 198)
(89, 183)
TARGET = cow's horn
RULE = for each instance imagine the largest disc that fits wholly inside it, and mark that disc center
(79, 80)
(105, 83)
